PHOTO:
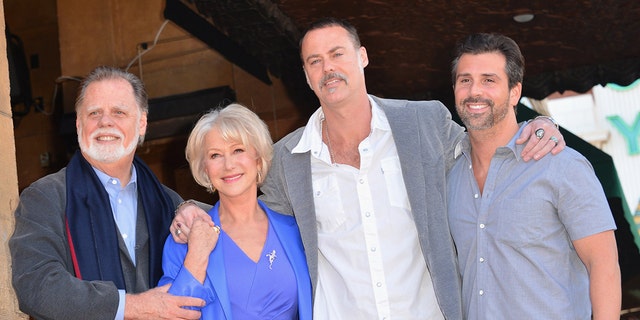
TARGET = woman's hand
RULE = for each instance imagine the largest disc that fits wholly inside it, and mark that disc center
(186, 213)
(202, 239)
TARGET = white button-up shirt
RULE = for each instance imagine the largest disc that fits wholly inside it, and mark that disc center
(370, 265)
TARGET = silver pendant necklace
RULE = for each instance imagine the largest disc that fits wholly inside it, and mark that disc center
(333, 161)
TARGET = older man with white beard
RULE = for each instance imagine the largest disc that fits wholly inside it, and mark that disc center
(88, 239)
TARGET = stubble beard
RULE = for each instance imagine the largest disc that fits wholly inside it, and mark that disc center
(483, 121)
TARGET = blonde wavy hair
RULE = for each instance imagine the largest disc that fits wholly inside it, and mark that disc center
(236, 123)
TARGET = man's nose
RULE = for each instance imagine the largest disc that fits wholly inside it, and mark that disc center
(105, 120)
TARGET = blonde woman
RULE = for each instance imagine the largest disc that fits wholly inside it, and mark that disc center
(248, 262)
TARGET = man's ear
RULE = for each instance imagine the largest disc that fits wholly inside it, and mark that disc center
(516, 92)
(364, 58)
(143, 124)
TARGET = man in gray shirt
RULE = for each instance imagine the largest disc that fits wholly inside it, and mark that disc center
(535, 239)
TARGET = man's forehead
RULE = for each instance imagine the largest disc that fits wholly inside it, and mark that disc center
(489, 61)
(486, 56)
(335, 33)
(109, 104)
(117, 105)
(324, 42)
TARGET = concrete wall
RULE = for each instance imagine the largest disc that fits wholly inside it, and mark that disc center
(35, 23)
(9, 187)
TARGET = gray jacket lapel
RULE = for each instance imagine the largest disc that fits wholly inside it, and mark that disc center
(405, 127)
(297, 174)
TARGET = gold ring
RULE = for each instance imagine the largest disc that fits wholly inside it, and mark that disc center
(217, 229)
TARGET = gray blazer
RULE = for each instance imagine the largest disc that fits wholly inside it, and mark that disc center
(43, 275)
(426, 138)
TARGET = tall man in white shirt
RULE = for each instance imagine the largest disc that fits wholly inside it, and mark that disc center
(365, 180)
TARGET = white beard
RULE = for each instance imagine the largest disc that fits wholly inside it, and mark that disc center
(107, 153)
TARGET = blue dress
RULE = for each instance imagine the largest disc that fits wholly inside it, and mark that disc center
(238, 288)
(262, 290)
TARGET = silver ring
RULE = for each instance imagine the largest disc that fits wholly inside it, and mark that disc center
(554, 139)
(217, 229)
(540, 133)
(178, 232)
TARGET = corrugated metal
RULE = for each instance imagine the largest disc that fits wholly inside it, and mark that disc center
(625, 103)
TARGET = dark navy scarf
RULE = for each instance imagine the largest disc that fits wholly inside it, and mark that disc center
(91, 228)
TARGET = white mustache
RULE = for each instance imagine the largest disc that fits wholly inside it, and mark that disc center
(106, 131)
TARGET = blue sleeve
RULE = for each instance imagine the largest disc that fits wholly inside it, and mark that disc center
(120, 313)
(182, 281)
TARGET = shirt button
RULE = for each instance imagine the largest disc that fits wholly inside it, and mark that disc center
(365, 150)
(482, 226)
(367, 214)
(318, 193)
(373, 249)
(476, 196)
(125, 236)
(113, 181)
(481, 259)
(361, 181)
(119, 201)
(379, 284)
(481, 292)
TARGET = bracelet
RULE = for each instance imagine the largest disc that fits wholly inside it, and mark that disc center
(550, 119)
(182, 204)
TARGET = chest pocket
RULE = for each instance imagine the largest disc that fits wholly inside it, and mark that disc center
(396, 189)
(328, 202)
(523, 221)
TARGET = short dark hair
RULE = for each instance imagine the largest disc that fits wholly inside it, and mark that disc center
(491, 42)
(333, 22)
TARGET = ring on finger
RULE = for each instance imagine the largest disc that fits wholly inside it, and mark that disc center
(540, 133)
(554, 139)
(178, 232)
(216, 229)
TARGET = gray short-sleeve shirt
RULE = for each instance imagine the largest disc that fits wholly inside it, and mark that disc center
(514, 240)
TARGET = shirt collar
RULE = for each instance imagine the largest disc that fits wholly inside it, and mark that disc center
(311, 139)
(513, 146)
(109, 182)
(464, 146)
